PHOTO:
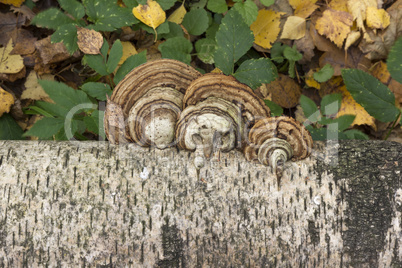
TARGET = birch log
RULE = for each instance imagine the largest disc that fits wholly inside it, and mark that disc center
(69, 204)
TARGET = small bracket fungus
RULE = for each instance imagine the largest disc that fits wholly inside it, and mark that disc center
(210, 125)
(273, 141)
(158, 87)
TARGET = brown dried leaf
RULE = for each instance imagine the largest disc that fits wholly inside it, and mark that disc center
(33, 90)
(306, 46)
(51, 53)
(89, 41)
(24, 42)
(320, 41)
(335, 25)
(285, 91)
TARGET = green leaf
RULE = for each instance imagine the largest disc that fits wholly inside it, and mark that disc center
(51, 18)
(212, 30)
(51, 109)
(63, 95)
(310, 109)
(177, 48)
(217, 6)
(130, 3)
(161, 29)
(345, 121)
(394, 61)
(97, 90)
(292, 54)
(9, 129)
(276, 110)
(255, 72)
(370, 93)
(116, 52)
(196, 21)
(330, 104)
(267, 3)
(234, 38)
(355, 134)
(68, 35)
(46, 128)
(97, 62)
(94, 123)
(166, 4)
(205, 50)
(174, 31)
(75, 8)
(197, 4)
(129, 64)
(248, 10)
(324, 74)
(277, 52)
(107, 15)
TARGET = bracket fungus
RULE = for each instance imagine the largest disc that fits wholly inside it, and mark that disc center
(275, 140)
(210, 125)
(150, 98)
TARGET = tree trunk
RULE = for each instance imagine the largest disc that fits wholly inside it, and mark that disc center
(90, 203)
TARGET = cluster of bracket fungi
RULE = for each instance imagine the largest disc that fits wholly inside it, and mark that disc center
(165, 103)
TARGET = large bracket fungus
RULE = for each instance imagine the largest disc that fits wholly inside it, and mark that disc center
(150, 98)
(167, 102)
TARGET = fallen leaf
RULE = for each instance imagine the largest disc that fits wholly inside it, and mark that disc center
(266, 27)
(10, 64)
(305, 8)
(377, 18)
(6, 101)
(358, 10)
(320, 41)
(24, 11)
(335, 25)
(351, 39)
(8, 23)
(16, 3)
(340, 5)
(380, 71)
(178, 15)
(51, 53)
(150, 14)
(310, 81)
(294, 28)
(24, 42)
(384, 39)
(350, 106)
(89, 41)
(128, 50)
(285, 91)
(33, 90)
(306, 46)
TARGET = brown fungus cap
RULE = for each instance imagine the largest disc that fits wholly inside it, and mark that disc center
(228, 88)
(158, 73)
(281, 127)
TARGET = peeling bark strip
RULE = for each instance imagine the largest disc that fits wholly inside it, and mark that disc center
(89, 203)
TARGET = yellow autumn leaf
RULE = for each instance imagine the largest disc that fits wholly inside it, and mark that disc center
(128, 50)
(305, 9)
(294, 28)
(266, 27)
(6, 100)
(377, 18)
(310, 81)
(178, 15)
(33, 90)
(340, 5)
(335, 25)
(351, 39)
(296, 3)
(358, 10)
(16, 3)
(150, 14)
(10, 64)
(350, 106)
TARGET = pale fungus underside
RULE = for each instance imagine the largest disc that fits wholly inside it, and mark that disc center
(165, 103)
